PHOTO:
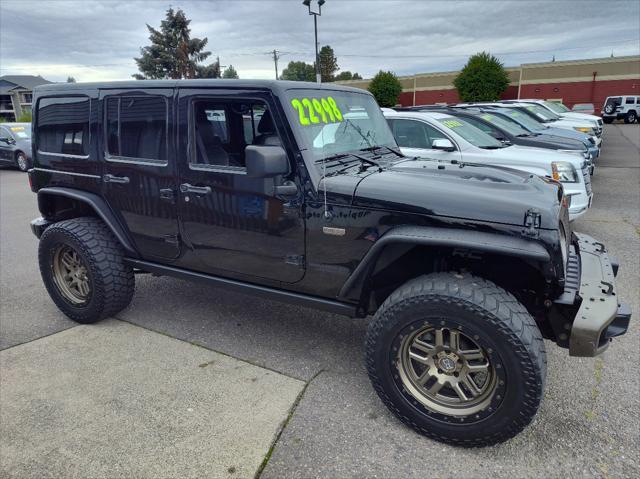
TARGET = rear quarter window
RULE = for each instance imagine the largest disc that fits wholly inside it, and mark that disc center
(63, 125)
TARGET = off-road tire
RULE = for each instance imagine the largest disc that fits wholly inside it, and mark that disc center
(112, 282)
(22, 162)
(630, 117)
(608, 121)
(480, 308)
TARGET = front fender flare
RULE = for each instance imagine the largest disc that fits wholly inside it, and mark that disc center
(434, 236)
(97, 204)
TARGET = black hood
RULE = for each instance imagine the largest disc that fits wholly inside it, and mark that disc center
(443, 189)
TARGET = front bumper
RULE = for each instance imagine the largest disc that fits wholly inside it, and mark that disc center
(580, 200)
(590, 291)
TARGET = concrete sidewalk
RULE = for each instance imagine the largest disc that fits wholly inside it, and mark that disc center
(117, 400)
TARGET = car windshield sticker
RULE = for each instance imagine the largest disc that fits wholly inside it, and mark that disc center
(316, 110)
(452, 123)
(487, 117)
(17, 128)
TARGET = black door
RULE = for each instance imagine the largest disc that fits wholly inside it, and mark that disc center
(232, 224)
(139, 180)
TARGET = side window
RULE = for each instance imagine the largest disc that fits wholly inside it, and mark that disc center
(136, 128)
(221, 129)
(63, 125)
(434, 134)
(411, 134)
(630, 100)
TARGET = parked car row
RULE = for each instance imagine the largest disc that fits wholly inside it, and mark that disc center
(490, 135)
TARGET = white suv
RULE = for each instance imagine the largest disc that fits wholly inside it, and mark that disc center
(441, 136)
(624, 107)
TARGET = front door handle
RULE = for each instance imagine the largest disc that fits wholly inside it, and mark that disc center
(115, 179)
(198, 190)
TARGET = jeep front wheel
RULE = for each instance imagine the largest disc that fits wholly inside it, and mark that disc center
(631, 117)
(457, 358)
(83, 270)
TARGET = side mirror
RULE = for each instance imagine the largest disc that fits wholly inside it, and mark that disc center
(266, 161)
(8, 141)
(443, 144)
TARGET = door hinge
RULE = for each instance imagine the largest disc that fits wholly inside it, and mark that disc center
(294, 259)
(532, 220)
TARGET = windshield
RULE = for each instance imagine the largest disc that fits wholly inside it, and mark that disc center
(473, 135)
(334, 122)
(506, 125)
(556, 107)
(524, 120)
(542, 112)
(21, 132)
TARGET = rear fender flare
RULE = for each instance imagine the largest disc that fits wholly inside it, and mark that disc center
(480, 241)
(97, 204)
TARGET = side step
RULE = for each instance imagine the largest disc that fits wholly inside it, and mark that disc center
(267, 292)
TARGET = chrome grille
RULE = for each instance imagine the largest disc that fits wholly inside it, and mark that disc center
(587, 178)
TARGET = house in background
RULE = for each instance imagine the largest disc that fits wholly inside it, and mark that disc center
(16, 92)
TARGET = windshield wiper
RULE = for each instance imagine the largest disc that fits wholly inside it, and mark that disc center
(374, 148)
(363, 160)
(358, 130)
(491, 147)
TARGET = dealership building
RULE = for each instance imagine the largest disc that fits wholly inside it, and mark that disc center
(574, 81)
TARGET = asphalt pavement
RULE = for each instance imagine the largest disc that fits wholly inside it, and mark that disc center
(588, 424)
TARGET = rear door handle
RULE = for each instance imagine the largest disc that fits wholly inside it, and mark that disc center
(198, 190)
(115, 179)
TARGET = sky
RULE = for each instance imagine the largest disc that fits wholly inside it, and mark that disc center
(95, 40)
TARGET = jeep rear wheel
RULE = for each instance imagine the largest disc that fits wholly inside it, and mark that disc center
(457, 358)
(608, 121)
(83, 270)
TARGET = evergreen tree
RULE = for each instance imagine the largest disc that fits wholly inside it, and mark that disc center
(230, 72)
(173, 53)
(328, 64)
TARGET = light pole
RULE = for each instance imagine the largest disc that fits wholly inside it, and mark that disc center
(316, 14)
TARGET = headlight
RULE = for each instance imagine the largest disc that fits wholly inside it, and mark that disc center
(584, 129)
(564, 172)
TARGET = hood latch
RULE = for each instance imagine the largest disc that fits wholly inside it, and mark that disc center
(532, 221)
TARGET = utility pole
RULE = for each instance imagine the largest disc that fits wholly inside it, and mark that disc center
(275, 60)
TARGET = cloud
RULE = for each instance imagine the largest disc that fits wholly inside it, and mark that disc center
(97, 39)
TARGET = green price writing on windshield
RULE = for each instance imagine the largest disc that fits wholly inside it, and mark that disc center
(451, 123)
(316, 110)
(487, 117)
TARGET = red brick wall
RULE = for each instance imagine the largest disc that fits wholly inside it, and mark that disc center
(570, 93)
(582, 92)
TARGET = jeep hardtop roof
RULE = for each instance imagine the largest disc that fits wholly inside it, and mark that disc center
(277, 86)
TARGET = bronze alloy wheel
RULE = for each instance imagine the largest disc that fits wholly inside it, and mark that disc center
(70, 275)
(446, 371)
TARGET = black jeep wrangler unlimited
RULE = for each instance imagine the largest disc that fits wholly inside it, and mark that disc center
(297, 192)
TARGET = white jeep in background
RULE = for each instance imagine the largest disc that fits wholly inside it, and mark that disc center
(624, 107)
(440, 136)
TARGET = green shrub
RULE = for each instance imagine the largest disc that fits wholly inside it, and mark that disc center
(386, 88)
(25, 117)
(483, 78)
